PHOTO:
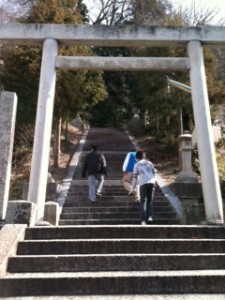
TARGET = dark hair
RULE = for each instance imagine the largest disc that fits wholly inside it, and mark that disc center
(94, 147)
(140, 155)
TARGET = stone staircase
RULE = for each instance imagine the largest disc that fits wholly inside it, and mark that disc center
(117, 260)
(114, 207)
(101, 250)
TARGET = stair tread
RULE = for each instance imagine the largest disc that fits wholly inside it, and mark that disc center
(132, 255)
(130, 239)
(160, 273)
(178, 296)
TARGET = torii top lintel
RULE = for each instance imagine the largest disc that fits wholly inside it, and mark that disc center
(111, 36)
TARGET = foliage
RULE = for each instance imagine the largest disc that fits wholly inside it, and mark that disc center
(220, 158)
(116, 110)
(125, 96)
(20, 75)
(75, 91)
(221, 169)
(126, 92)
(21, 160)
(149, 12)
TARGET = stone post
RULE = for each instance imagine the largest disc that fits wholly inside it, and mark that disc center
(206, 150)
(186, 174)
(41, 148)
(8, 105)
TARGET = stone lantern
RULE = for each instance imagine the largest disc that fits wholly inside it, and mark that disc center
(186, 174)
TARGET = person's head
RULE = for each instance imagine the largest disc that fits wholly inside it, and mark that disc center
(94, 147)
(140, 155)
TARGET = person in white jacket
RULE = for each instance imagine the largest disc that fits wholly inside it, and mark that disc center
(144, 174)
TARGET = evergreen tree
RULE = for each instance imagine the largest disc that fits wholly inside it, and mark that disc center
(75, 91)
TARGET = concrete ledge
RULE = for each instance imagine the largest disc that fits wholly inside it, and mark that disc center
(9, 237)
(51, 213)
(191, 190)
(186, 199)
(20, 212)
(194, 211)
(51, 191)
(191, 197)
(172, 198)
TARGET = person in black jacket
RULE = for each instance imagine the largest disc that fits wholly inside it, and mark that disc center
(95, 166)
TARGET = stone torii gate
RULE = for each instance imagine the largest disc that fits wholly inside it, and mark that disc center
(194, 38)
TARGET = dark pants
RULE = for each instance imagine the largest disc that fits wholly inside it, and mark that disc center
(146, 196)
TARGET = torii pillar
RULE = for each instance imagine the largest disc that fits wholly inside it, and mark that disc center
(207, 157)
(43, 127)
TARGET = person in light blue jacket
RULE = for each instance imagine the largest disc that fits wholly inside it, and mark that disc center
(144, 174)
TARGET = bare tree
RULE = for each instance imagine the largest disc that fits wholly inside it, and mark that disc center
(108, 12)
(198, 15)
(139, 12)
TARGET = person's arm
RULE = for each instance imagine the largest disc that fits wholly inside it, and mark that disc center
(125, 164)
(135, 177)
(104, 165)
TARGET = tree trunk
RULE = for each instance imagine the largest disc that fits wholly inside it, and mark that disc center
(181, 127)
(67, 131)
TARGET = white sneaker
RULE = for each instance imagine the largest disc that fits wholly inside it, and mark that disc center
(143, 223)
(150, 219)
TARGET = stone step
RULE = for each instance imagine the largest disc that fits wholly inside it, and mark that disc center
(112, 200)
(113, 283)
(84, 202)
(110, 176)
(189, 296)
(81, 192)
(107, 188)
(131, 208)
(115, 262)
(116, 246)
(113, 194)
(159, 221)
(113, 215)
(111, 141)
(111, 147)
(126, 232)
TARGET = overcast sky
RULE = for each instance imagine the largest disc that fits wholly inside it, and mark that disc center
(218, 5)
